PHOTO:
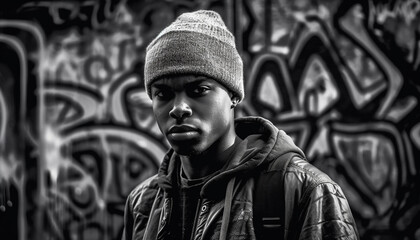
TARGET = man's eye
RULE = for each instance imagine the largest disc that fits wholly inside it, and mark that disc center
(201, 90)
(162, 94)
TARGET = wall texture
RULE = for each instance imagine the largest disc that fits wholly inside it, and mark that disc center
(77, 132)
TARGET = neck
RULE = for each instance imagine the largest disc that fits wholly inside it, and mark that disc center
(209, 161)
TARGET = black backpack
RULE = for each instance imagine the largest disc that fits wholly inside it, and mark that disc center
(269, 199)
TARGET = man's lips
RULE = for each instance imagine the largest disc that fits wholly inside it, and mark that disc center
(182, 132)
(182, 129)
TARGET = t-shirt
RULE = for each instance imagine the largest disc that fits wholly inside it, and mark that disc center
(189, 199)
(188, 202)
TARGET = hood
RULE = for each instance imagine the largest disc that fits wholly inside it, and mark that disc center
(262, 142)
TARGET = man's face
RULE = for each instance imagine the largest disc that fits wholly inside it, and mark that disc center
(193, 112)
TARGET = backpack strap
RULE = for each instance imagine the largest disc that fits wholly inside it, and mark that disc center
(269, 201)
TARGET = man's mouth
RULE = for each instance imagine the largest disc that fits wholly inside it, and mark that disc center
(182, 132)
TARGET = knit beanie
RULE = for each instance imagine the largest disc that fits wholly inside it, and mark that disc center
(196, 43)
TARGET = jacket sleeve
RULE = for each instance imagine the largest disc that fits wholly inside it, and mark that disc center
(138, 208)
(326, 214)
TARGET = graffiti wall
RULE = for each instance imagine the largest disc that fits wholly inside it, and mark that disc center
(77, 132)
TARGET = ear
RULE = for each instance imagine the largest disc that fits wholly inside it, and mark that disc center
(235, 101)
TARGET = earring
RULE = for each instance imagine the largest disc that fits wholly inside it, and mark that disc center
(234, 103)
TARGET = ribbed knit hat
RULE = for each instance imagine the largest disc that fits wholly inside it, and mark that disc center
(196, 43)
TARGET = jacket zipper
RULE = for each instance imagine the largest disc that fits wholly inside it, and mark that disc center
(166, 217)
(197, 215)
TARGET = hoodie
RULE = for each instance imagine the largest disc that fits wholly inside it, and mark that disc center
(315, 206)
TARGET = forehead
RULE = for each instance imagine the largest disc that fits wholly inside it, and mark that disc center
(182, 81)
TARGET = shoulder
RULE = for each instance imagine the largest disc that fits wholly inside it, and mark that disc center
(142, 196)
(298, 169)
(316, 193)
(311, 183)
(307, 172)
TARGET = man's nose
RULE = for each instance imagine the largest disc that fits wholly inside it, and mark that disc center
(181, 109)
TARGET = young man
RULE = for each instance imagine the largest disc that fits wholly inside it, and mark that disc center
(213, 177)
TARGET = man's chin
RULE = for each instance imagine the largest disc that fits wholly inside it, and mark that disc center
(186, 150)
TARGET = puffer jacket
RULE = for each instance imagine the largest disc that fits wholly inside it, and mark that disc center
(315, 206)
